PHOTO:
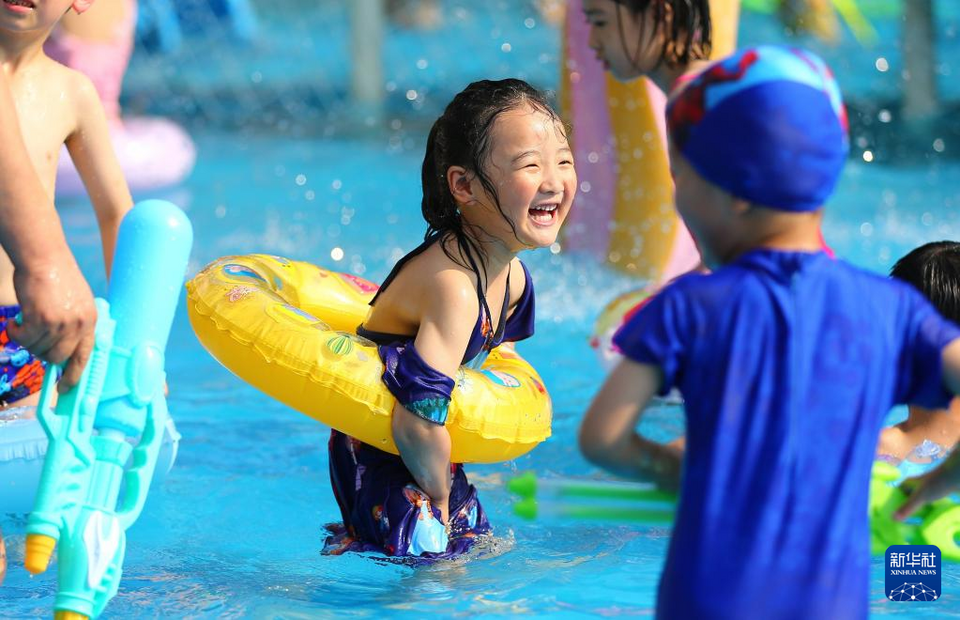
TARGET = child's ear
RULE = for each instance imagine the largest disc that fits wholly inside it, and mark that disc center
(459, 182)
(740, 206)
(79, 6)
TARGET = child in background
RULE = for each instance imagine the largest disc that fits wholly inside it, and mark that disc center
(667, 41)
(934, 270)
(497, 178)
(780, 344)
(56, 106)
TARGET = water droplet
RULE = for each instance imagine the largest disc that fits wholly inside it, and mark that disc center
(336, 254)
(506, 47)
(868, 156)
(882, 65)
(939, 145)
(300, 179)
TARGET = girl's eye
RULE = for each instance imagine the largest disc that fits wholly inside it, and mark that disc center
(531, 166)
(566, 161)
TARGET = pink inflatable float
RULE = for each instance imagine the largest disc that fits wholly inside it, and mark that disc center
(153, 152)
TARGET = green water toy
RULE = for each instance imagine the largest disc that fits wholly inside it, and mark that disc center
(591, 499)
(937, 523)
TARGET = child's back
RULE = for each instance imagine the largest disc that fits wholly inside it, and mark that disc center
(788, 362)
(787, 359)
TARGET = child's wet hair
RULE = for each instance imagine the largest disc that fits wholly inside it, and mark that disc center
(686, 37)
(934, 270)
(461, 137)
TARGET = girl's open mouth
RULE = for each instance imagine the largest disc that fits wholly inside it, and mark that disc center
(545, 214)
(20, 6)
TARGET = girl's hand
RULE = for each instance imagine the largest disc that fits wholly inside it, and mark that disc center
(425, 450)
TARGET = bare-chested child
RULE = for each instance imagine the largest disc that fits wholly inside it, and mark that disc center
(55, 106)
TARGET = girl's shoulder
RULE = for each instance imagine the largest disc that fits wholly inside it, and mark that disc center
(521, 284)
(432, 276)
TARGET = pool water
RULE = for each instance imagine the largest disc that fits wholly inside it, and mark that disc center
(236, 528)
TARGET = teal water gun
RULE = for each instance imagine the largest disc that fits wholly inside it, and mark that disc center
(937, 523)
(119, 396)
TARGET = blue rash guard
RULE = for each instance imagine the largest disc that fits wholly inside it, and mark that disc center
(788, 363)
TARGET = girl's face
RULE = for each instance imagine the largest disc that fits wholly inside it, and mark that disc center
(531, 166)
(628, 44)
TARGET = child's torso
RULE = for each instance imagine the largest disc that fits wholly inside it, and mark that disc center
(395, 314)
(44, 97)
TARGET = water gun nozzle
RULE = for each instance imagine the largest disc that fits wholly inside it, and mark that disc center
(39, 550)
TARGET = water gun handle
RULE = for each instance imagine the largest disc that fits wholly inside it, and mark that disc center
(70, 455)
(136, 480)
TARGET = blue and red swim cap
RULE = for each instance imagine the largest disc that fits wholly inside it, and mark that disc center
(766, 124)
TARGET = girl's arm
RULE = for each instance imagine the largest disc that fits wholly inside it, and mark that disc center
(447, 320)
(944, 479)
(92, 153)
(608, 436)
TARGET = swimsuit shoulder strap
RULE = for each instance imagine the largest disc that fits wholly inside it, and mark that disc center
(420, 249)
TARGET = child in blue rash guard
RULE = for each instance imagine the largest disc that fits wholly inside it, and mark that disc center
(497, 178)
(787, 360)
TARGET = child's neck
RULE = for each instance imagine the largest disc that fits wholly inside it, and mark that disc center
(673, 78)
(774, 230)
(496, 255)
(18, 50)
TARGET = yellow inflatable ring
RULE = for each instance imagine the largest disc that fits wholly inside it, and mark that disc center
(289, 329)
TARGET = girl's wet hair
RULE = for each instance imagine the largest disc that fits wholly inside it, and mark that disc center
(934, 270)
(461, 137)
(686, 37)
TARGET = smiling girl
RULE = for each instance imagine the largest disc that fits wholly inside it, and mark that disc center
(498, 178)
